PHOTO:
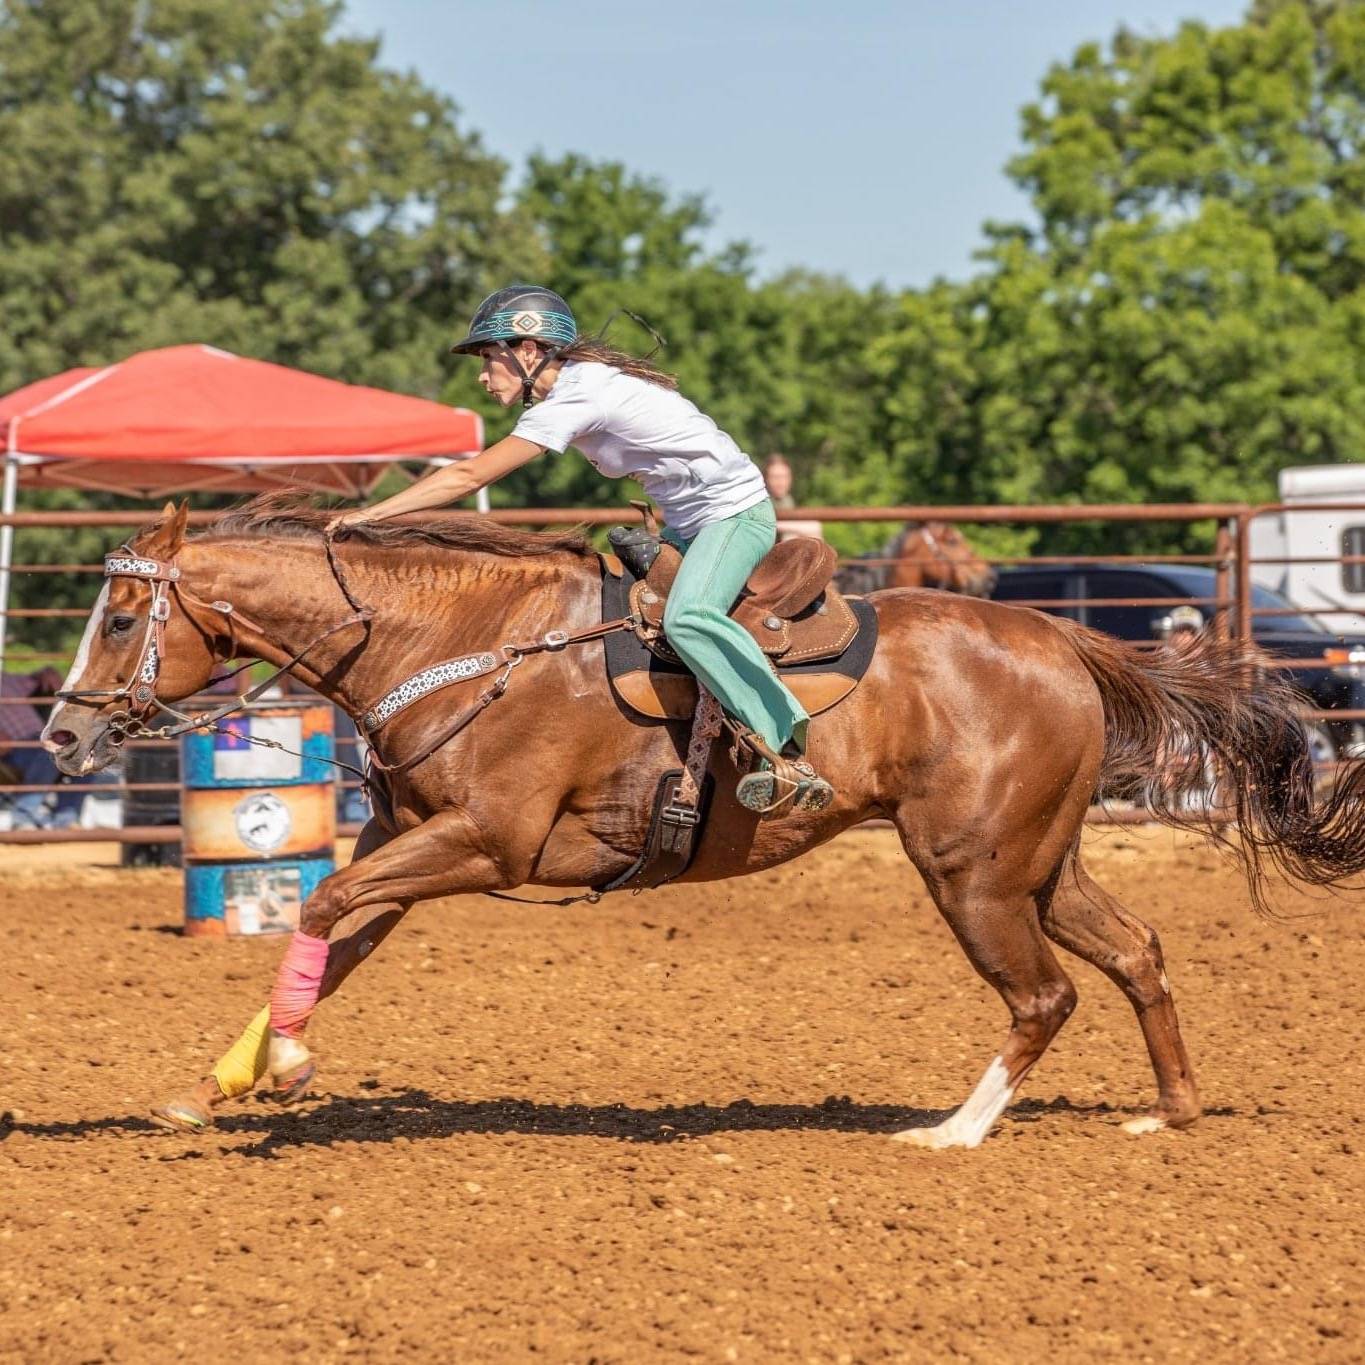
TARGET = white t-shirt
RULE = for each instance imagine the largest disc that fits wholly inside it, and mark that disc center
(628, 426)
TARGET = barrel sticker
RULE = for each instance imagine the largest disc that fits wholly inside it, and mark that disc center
(263, 821)
(261, 900)
(317, 720)
(237, 758)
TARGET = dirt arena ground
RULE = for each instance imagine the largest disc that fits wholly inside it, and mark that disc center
(656, 1130)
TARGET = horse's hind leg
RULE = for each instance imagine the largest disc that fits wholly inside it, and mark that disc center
(1086, 920)
(997, 926)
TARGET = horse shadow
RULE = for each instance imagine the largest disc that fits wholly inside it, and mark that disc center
(417, 1114)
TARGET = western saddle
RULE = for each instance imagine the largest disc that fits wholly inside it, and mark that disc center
(789, 605)
(819, 640)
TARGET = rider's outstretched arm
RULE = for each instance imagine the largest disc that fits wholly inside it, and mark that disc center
(450, 484)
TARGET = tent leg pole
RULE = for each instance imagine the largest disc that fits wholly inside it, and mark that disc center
(8, 498)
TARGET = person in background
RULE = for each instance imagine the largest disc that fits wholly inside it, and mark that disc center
(1182, 628)
(777, 476)
(24, 763)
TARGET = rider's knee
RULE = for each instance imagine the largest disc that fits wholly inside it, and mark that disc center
(687, 619)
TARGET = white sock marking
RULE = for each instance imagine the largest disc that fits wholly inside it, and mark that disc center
(969, 1126)
(286, 1054)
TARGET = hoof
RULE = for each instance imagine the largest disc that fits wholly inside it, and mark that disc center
(182, 1116)
(1147, 1123)
(291, 1087)
(1158, 1120)
(933, 1139)
(291, 1067)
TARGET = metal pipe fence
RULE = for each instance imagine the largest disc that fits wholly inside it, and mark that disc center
(1229, 609)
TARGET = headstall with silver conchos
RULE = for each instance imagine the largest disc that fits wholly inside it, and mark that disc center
(161, 576)
(141, 688)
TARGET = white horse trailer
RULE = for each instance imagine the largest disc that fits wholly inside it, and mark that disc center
(1307, 531)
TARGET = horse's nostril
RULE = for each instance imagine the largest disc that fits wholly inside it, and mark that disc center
(60, 739)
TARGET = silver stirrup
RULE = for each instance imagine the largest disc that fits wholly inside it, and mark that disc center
(765, 791)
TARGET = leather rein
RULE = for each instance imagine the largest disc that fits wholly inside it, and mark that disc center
(164, 579)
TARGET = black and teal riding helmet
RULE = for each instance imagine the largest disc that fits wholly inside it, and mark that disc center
(519, 311)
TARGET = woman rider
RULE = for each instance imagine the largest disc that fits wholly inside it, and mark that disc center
(628, 418)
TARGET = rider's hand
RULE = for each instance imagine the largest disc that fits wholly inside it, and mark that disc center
(355, 517)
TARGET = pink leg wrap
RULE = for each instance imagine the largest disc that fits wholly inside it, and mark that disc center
(297, 985)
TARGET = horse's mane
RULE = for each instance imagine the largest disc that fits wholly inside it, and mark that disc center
(291, 515)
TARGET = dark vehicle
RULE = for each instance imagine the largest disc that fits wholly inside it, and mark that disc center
(1080, 592)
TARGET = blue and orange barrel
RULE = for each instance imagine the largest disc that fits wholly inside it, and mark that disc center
(258, 823)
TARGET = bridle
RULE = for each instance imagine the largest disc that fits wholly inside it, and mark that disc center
(140, 689)
(164, 579)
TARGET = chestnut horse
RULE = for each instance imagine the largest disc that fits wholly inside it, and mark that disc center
(981, 731)
(928, 554)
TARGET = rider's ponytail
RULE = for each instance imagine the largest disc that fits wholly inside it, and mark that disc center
(589, 348)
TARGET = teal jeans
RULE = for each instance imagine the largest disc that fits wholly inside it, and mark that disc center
(721, 653)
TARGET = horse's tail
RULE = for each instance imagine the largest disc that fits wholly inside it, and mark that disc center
(1173, 718)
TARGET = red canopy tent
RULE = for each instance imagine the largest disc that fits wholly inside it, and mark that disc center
(194, 418)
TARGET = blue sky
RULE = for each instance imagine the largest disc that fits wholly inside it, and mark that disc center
(864, 139)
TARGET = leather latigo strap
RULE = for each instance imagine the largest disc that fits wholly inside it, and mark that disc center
(679, 813)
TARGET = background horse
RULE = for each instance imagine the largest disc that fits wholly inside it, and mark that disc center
(982, 731)
(929, 554)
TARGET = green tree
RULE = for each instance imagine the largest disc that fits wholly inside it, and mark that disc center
(240, 174)
(1187, 317)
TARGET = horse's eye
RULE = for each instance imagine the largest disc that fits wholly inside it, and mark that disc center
(121, 625)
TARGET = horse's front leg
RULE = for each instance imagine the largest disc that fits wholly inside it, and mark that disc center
(237, 1071)
(443, 856)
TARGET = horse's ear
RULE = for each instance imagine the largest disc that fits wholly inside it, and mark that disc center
(168, 535)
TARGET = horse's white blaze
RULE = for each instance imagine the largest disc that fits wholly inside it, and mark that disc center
(970, 1124)
(82, 659)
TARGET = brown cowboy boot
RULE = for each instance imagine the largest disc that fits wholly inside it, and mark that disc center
(778, 780)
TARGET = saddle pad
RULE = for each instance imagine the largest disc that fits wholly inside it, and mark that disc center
(662, 690)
